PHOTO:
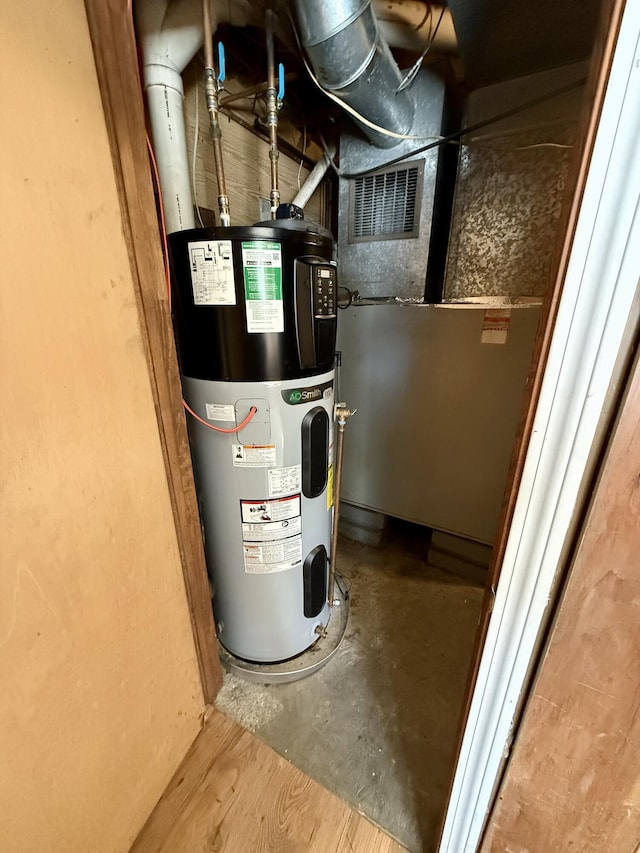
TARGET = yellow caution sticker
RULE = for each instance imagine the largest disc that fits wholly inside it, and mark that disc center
(330, 487)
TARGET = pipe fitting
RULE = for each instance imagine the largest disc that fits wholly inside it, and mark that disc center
(343, 413)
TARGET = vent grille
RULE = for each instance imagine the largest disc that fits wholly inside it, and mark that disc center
(386, 205)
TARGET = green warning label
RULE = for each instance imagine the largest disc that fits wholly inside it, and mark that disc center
(262, 271)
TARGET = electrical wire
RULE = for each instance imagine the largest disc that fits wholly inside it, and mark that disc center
(304, 148)
(542, 145)
(359, 117)
(247, 420)
(350, 293)
(410, 76)
(347, 107)
(167, 273)
(427, 17)
(454, 137)
(163, 226)
(196, 133)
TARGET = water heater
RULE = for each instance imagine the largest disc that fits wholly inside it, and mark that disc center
(255, 321)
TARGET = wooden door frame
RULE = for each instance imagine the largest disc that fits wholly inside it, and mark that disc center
(579, 351)
(115, 51)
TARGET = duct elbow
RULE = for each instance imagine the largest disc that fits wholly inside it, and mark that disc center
(352, 61)
(170, 35)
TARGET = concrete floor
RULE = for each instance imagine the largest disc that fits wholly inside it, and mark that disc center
(377, 725)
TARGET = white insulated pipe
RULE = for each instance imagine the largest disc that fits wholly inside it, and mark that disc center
(315, 176)
(170, 147)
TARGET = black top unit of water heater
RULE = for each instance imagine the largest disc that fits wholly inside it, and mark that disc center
(254, 303)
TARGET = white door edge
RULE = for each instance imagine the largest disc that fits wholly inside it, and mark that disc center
(600, 285)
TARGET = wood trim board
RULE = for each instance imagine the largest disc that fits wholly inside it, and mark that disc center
(572, 781)
(115, 52)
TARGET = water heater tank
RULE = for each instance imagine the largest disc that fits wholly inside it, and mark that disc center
(255, 320)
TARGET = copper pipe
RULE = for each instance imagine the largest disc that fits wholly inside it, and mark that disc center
(253, 90)
(211, 93)
(207, 28)
(272, 111)
(342, 416)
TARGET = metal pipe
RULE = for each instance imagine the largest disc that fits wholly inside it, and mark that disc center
(207, 32)
(353, 62)
(254, 90)
(258, 130)
(272, 111)
(342, 416)
(317, 174)
(211, 93)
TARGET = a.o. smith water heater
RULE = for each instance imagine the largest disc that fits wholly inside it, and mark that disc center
(255, 320)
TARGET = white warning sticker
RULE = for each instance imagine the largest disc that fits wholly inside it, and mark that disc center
(220, 412)
(495, 327)
(284, 481)
(263, 512)
(212, 276)
(254, 455)
(271, 531)
(273, 557)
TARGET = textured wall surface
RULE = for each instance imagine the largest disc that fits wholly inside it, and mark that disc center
(508, 203)
(101, 694)
(512, 180)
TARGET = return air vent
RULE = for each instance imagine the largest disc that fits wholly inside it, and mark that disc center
(386, 204)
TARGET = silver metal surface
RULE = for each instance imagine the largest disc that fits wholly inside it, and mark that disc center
(438, 412)
(510, 188)
(350, 58)
(386, 205)
(318, 21)
(398, 267)
(258, 606)
(301, 666)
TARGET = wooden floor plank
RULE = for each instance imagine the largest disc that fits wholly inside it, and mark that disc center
(233, 794)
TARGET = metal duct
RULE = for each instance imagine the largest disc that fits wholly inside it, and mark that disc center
(353, 62)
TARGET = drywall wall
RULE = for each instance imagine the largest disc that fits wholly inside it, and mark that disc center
(246, 159)
(100, 689)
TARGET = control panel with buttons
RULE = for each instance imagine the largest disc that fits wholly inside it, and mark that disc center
(316, 303)
(324, 291)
